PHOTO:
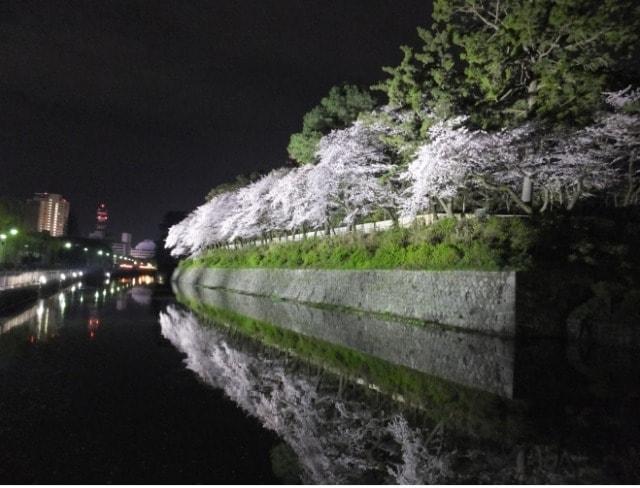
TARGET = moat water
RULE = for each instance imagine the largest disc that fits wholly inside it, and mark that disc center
(121, 383)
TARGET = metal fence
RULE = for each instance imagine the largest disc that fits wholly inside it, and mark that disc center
(368, 228)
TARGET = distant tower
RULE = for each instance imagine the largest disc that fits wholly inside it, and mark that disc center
(102, 215)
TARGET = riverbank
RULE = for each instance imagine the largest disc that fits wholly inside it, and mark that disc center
(19, 288)
(577, 276)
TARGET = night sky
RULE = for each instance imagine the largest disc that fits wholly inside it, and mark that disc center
(146, 105)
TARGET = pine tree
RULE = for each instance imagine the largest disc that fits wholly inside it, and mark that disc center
(505, 62)
(337, 110)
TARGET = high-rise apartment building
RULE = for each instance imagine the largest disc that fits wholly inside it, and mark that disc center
(48, 212)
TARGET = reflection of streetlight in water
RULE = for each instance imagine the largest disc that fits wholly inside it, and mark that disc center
(62, 301)
(93, 323)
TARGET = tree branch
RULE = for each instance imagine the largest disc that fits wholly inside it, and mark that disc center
(472, 10)
(506, 189)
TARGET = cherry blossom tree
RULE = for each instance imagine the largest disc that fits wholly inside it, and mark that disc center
(347, 178)
(252, 217)
(177, 237)
(565, 165)
(457, 165)
(449, 162)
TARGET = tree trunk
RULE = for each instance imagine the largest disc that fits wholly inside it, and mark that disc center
(447, 206)
(545, 200)
(512, 194)
(527, 190)
(632, 187)
(571, 202)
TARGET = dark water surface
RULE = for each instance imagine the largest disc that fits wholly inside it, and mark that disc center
(90, 392)
(121, 384)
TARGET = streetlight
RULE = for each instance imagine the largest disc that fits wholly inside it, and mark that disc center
(13, 232)
(100, 252)
(67, 245)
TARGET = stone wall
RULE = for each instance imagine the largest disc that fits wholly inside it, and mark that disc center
(476, 360)
(471, 300)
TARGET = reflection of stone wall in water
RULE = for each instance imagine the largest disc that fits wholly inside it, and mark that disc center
(476, 360)
(475, 300)
(337, 433)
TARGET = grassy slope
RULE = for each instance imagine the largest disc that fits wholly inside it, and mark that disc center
(492, 244)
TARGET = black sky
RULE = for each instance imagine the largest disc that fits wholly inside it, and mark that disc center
(146, 105)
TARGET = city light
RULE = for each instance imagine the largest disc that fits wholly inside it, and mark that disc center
(13, 232)
(86, 249)
(100, 252)
(3, 237)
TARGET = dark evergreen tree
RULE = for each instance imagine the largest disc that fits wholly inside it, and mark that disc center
(508, 62)
(337, 110)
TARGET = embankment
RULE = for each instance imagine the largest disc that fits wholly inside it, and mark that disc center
(481, 301)
(476, 360)
(20, 287)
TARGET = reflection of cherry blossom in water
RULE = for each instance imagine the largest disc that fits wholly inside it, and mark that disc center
(336, 439)
(338, 435)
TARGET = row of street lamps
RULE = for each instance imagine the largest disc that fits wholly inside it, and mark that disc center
(67, 245)
(5, 235)
(100, 252)
(3, 238)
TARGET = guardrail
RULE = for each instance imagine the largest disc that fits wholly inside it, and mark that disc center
(422, 219)
(10, 280)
